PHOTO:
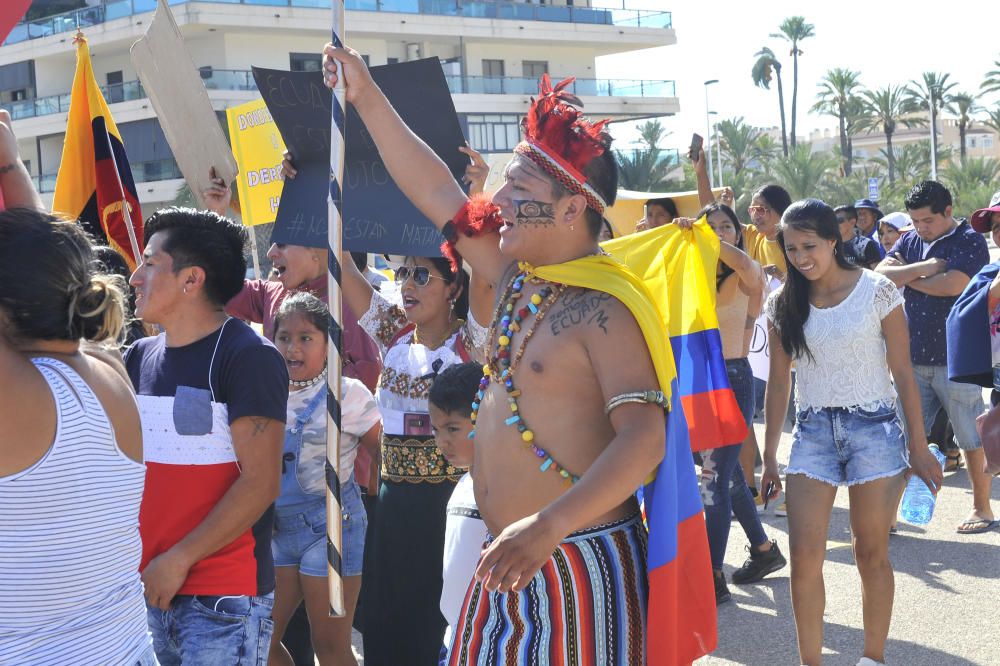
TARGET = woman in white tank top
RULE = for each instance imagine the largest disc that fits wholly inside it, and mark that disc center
(71, 472)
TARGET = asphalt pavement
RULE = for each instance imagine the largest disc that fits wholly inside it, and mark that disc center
(947, 604)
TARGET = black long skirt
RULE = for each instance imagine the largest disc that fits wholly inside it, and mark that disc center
(403, 625)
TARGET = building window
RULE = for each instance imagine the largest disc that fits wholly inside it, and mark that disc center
(987, 142)
(115, 88)
(305, 62)
(493, 68)
(972, 142)
(494, 132)
(533, 69)
(392, 61)
(18, 95)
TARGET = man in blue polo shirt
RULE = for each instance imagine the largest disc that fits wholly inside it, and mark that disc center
(934, 265)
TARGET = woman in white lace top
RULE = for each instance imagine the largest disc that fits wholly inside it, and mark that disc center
(832, 320)
(430, 332)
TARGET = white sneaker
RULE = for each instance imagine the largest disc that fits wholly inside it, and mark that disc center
(868, 661)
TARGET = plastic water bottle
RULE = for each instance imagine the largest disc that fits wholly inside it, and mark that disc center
(918, 500)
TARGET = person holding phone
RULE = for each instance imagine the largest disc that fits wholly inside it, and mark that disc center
(833, 319)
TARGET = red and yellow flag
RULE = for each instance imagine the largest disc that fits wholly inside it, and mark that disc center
(95, 183)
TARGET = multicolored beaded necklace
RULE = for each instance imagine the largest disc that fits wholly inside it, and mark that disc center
(502, 367)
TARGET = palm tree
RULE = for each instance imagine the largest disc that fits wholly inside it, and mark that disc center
(971, 183)
(740, 143)
(931, 94)
(794, 29)
(993, 118)
(991, 83)
(857, 116)
(804, 173)
(766, 64)
(643, 168)
(836, 90)
(963, 105)
(887, 109)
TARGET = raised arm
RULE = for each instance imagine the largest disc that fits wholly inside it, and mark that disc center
(415, 168)
(749, 271)
(15, 181)
(357, 290)
(705, 194)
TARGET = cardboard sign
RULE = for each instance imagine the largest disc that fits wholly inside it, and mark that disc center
(258, 149)
(759, 356)
(178, 95)
(377, 216)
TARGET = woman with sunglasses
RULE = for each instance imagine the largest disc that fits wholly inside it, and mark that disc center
(427, 334)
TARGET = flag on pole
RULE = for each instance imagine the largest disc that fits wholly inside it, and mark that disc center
(95, 183)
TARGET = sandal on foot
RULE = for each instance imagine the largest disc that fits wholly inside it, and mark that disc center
(976, 526)
(953, 462)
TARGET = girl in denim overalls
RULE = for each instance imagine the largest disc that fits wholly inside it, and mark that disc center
(299, 543)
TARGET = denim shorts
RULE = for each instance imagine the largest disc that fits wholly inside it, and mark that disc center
(845, 447)
(210, 630)
(299, 538)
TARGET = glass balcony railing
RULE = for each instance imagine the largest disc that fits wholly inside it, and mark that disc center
(142, 172)
(490, 9)
(237, 79)
(517, 85)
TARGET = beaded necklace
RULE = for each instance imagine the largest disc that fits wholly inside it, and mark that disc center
(502, 367)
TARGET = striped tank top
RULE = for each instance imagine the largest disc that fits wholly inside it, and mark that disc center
(70, 591)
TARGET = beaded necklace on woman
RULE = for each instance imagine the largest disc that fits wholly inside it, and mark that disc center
(501, 367)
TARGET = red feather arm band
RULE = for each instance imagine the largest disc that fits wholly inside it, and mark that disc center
(476, 217)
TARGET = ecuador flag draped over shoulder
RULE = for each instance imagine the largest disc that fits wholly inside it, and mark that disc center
(668, 283)
(95, 181)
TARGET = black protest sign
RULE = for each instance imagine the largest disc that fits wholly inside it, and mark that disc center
(377, 216)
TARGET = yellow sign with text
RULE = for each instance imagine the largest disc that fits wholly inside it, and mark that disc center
(258, 149)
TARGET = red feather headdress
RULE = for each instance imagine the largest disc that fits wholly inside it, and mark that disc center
(559, 139)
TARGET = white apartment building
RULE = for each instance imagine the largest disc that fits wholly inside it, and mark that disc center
(493, 52)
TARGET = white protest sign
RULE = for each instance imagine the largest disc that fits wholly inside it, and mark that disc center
(760, 361)
(181, 102)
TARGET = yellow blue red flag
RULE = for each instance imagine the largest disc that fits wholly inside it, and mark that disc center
(666, 277)
(95, 183)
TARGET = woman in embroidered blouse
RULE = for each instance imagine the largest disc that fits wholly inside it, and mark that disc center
(833, 319)
(402, 621)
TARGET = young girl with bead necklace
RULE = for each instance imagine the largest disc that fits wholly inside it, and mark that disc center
(299, 541)
(833, 319)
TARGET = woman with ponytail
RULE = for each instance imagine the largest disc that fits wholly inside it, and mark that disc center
(71, 470)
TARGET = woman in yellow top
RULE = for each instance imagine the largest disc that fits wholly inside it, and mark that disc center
(766, 208)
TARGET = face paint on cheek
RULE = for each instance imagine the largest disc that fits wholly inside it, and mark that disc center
(536, 213)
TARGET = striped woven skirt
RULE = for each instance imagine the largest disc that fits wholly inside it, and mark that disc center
(586, 607)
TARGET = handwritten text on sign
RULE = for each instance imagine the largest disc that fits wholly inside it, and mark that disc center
(377, 216)
(258, 150)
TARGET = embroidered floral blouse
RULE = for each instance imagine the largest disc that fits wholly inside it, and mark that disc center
(408, 368)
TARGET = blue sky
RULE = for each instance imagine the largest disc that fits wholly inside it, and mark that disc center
(888, 41)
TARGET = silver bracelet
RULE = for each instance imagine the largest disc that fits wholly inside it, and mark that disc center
(647, 397)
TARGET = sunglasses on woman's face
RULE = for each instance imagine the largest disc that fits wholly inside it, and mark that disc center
(421, 275)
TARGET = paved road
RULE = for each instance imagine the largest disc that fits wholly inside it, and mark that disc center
(947, 592)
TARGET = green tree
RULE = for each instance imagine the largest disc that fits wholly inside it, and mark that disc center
(887, 109)
(963, 105)
(766, 67)
(793, 30)
(804, 173)
(643, 168)
(971, 183)
(932, 93)
(993, 118)
(836, 90)
(740, 143)
(912, 162)
(991, 83)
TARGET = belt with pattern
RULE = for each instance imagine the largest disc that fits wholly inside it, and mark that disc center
(416, 460)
